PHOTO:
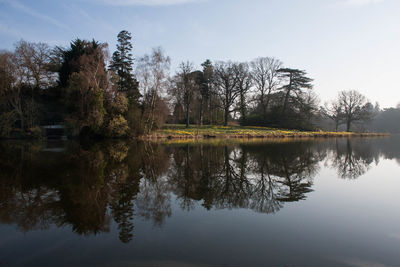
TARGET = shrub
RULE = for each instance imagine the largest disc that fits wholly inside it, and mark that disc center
(118, 127)
(35, 132)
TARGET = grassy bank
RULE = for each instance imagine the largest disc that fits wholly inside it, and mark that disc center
(178, 131)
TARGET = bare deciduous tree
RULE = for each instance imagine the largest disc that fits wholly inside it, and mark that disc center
(183, 88)
(152, 72)
(226, 86)
(10, 94)
(334, 111)
(355, 107)
(266, 78)
(34, 59)
(245, 81)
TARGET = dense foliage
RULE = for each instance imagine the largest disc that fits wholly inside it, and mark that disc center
(69, 86)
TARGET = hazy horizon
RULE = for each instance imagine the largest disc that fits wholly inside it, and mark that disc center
(342, 44)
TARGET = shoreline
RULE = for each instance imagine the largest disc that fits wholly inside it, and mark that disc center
(234, 132)
(180, 132)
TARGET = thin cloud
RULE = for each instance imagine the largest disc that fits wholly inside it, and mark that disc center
(359, 2)
(149, 2)
(92, 20)
(27, 36)
(23, 8)
(356, 262)
(10, 31)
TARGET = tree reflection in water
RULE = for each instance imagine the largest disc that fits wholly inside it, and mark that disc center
(352, 158)
(87, 186)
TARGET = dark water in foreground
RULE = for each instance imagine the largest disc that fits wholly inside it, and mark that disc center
(299, 203)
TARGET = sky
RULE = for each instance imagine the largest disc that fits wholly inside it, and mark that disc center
(342, 44)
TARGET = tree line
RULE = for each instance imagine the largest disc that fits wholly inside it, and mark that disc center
(386, 120)
(97, 94)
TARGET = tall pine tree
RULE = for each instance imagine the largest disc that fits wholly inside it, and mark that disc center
(122, 65)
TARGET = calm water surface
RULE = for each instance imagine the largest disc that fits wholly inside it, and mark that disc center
(332, 202)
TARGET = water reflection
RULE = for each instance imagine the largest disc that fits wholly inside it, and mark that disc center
(352, 159)
(86, 187)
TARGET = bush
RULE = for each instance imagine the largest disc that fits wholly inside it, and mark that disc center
(35, 132)
(253, 120)
(72, 127)
(118, 127)
(135, 120)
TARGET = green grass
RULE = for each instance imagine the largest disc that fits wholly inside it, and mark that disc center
(179, 131)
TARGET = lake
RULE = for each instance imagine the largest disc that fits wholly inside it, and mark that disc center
(319, 202)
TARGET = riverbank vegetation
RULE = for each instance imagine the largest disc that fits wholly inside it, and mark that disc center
(180, 131)
(92, 94)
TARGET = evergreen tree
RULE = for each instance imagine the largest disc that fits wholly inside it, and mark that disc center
(205, 90)
(122, 65)
(297, 83)
(69, 59)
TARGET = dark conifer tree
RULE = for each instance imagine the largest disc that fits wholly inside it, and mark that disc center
(69, 59)
(122, 65)
(205, 80)
(297, 82)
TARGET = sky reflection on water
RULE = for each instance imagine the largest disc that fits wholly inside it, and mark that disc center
(300, 203)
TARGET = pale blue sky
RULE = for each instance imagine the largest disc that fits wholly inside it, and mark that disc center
(342, 44)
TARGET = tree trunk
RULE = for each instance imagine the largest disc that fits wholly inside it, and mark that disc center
(21, 116)
(286, 101)
(150, 118)
(243, 107)
(287, 95)
(226, 116)
(348, 124)
(266, 105)
(262, 104)
(187, 116)
(244, 118)
(226, 106)
(201, 112)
